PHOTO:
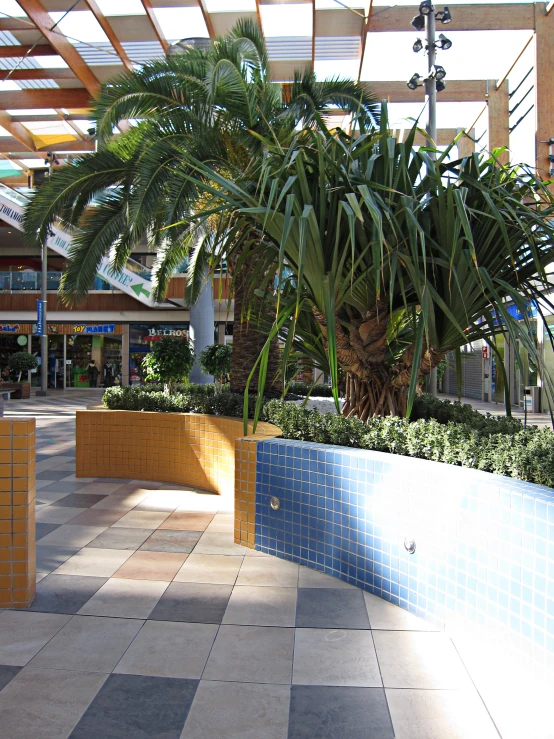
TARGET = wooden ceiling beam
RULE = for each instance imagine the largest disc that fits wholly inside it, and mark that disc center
(41, 74)
(7, 52)
(457, 91)
(17, 130)
(207, 18)
(15, 24)
(64, 97)
(363, 40)
(10, 145)
(147, 5)
(110, 33)
(39, 15)
(501, 17)
(259, 16)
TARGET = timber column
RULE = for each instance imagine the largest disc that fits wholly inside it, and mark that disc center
(544, 69)
(499, 118)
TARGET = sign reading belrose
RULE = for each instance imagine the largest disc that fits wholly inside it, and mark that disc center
(155, 334)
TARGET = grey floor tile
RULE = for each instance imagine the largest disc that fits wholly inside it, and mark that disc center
(94, 562)
(193, 602)
(64, 593)
(57, 514)
(308, 578)
(78, 500)
(165, 649)
(23, 634)
(272, 571)
(51, 475)
(120, 538)
(71, 536)
(43, 529)
(172, 541)
(330, 608)
(137, 707)
(105, 480)
(256, 606)
(219, 569)
(88, 643)
(383, 615)
(46, 704)
(50, 558)
(333, 712)
(418, 659)
(7, 673)
(239, 711)
(49, 497)
(102, 488)
(442, 714)
(65, 487)
(125, 598)
(252, 654)
(335, 657)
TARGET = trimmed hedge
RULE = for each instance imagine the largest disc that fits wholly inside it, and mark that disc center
(439, 430)
(303, 388)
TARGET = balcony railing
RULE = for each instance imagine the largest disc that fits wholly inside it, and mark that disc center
(17, 281)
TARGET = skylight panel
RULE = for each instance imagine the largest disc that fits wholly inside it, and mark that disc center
(362, 6)
(121, 7)
(3, 132)
(51, 62)
(11, 8)
(287, 20)
(179, 23)
(346, 69)
(231, 6)
(9, 86)
(34, 112)
(79, 25)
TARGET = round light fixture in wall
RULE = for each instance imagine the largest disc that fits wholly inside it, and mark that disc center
(409, 545)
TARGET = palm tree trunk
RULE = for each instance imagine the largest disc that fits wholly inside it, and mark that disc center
(248, 341)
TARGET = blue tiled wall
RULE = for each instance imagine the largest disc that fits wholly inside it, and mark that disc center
(484, 543)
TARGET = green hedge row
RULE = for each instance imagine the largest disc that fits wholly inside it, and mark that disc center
(439, 430)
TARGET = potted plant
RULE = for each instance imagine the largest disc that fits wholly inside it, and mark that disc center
(170, 361)
(22, 362)
(216, 360)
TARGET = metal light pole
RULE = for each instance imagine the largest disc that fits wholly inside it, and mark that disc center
(51, 158)
(431, 100)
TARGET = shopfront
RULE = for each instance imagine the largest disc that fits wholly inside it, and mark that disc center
(71, 348)
(141, 337)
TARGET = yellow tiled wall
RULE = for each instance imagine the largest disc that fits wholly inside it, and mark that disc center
(17, 512)
(184, 448)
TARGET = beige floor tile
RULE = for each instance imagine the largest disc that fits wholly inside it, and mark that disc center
(46, 704)
(167, 649)
(125, 599)
(98, 517)
(422, 660)
(219, 543)
(181, 521)
(218, 569)
(152, 566)
(161, 500)
(439, 714)
(142, 519)
(271, 572)
(72, 536)
(94, 562)
(257, 606)
(101, 488)
(23, 634)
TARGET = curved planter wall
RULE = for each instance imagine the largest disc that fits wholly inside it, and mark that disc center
(484, 544)
(184, 448)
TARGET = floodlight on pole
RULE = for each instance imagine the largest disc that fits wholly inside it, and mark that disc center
(440, 85)
(439, 73)
(418, 45)
(415, 81)
(426, 7)
(444, 15)
(444, 43)
(418, 22)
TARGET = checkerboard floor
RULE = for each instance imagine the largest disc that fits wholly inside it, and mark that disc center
(149, 622)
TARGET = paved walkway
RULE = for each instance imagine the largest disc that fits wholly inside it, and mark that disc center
(499, 409)
(150, 623)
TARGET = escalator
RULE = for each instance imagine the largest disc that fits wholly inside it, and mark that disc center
(134, 279)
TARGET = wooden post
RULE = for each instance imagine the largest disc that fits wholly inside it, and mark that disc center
(466, 143)
(544, 68)
(499, 119)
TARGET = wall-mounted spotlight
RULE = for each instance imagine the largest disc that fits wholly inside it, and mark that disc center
(415, 81)
(418, 45)
(426, 7)
(439, 73)
(444, 15)
(443, 42)
(440, 85)
(418, 22)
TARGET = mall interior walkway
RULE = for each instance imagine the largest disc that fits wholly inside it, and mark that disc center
(150, 623)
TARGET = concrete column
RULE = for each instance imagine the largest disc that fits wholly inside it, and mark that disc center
(202, 316)
(125, 355)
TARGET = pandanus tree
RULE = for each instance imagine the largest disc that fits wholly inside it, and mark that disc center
(216, 104)
(386, 260)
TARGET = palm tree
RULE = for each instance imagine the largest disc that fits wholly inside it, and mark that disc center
(389, 260)
(217, 106)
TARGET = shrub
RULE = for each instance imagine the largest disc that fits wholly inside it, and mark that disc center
(317, 391)
(22, 362)
(216, 360)
(171, 360)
